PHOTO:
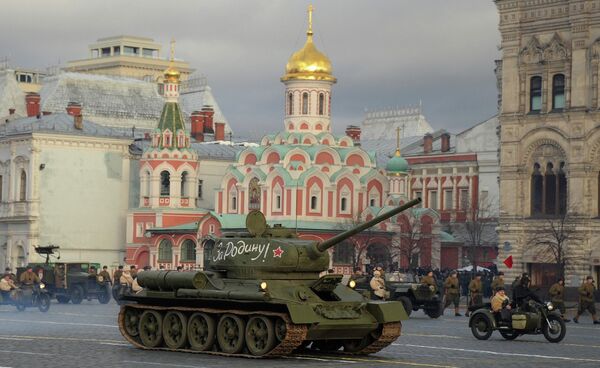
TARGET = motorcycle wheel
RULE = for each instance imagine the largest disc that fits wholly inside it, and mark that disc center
(556, 330)
(481, 327)
(43, 302)
(509, 335)
(104, 296)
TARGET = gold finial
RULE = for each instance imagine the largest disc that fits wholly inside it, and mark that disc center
(172, 58)
(398, 141)
(310, 11)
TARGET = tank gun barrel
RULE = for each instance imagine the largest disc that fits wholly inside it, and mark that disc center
(323, 246)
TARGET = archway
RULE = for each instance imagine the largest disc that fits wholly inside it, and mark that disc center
(142, 259)
(379, 255)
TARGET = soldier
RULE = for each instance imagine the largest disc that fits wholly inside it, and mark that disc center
(377, 284)
(499, 306)
(117, 274)
(28, 278)
(8, 271)
(126, 279)
(6, 285)
(475, 289)
(92, 270)
(452, 292)
(586, 300)
(133, 271)
(104, 273)
(557, 293)
(498, 281)
(429, 281)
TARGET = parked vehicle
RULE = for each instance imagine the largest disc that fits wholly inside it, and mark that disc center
(535, 318)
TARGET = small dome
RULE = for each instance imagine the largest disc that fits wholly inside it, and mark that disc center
(397, 164)
(308, 63)
(172, 75)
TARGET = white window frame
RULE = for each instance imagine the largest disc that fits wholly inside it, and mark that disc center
(345, 194)
(315, 191)
(448, 206)
(277, 203)
(433, 199)
(233, 199)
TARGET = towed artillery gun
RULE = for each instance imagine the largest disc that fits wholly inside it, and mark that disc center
(261, 296)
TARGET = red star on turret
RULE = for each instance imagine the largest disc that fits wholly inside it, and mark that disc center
(277, 252)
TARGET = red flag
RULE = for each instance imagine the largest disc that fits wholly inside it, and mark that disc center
(508, 262)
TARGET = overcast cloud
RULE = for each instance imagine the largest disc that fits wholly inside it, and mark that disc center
(384, 53)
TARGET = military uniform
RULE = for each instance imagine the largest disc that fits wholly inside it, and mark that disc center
(498, 282)
(557, 294)
(429, 281)
(105, 275)
(452, 292)
(475, 288)
(29, 278)
(586, 299)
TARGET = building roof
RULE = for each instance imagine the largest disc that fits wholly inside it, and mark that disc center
(11, 95)
(384, 148)
(61, 124)
(183, 228)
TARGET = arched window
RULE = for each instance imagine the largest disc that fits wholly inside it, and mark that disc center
(344, 204)
(188, 251)
(253, 194)
(305, 103)
(165, 251)
(558, 92)
(344, 253)
(290, 104)
(314, 202)
(535, 94)
(321, 104)
(165, 183)
(549, 190)
(184, 184)
(233, 198)
(23, 186)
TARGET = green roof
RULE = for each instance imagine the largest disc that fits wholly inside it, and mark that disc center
(171, 118)
(183, 228)
(397, 164)
(448, 238)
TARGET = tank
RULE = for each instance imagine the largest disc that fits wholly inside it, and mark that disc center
(261, 296)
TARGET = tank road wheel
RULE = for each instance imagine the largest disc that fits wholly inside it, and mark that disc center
(76, 294)
(280, 329)
(201, 331)
(230, 334)
(132, 322)
(151, 328)
(63, 299)
(260, 335)
(175, 330)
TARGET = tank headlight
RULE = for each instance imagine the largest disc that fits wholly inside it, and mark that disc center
(263, 286)
(352, 284)
(42, 286)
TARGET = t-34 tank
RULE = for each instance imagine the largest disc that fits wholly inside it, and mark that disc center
(261, 296)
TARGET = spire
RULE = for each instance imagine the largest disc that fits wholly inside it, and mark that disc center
(397, 142)
(172, 57)
(309, 32)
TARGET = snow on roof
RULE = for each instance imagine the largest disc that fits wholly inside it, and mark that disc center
(11, 95)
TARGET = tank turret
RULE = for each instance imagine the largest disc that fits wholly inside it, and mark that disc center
(261, 294)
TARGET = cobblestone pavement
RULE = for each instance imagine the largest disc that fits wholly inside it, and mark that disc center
(87, 336)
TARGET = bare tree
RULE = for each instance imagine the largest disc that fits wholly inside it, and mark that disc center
(479, 226)
(360, 242)
(409, 242)
(550, 240)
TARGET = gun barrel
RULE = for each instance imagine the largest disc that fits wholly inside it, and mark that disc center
(323, 246)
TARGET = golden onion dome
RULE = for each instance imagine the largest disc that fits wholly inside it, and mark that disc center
(308, 62)
(172, 75)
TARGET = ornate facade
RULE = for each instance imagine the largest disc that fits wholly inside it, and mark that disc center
(550, 134)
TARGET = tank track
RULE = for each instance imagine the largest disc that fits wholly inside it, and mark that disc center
(294, 337)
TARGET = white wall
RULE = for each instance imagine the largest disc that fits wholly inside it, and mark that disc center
(211, 173)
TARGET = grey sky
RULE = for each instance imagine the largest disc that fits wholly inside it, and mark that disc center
(384, 53)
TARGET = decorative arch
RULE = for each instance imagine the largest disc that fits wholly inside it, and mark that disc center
(532, 144)
(250, 159)
(273, 158)
(304, 126)
(355, 159)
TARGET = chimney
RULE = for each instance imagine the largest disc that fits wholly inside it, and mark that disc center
(219, 131)
(197, 118)
(78, 122)
(74, 108)
(353, 132)
(427, 143)
(445, 142)
(11, 111)
(32, 104)
(209, 113)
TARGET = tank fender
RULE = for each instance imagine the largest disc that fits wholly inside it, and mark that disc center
(302, 313)
(486, 312)
(387, 311)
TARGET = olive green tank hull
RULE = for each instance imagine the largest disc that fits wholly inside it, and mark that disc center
(260, 334)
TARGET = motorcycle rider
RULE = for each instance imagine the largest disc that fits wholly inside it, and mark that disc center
(557, 292)
(29, 278)
(501, 305)
(6, 286)
(586, 300)
(377, 284)
(522, 293)
(429, 280)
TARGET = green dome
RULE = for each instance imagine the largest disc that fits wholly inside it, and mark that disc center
(397, 164)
